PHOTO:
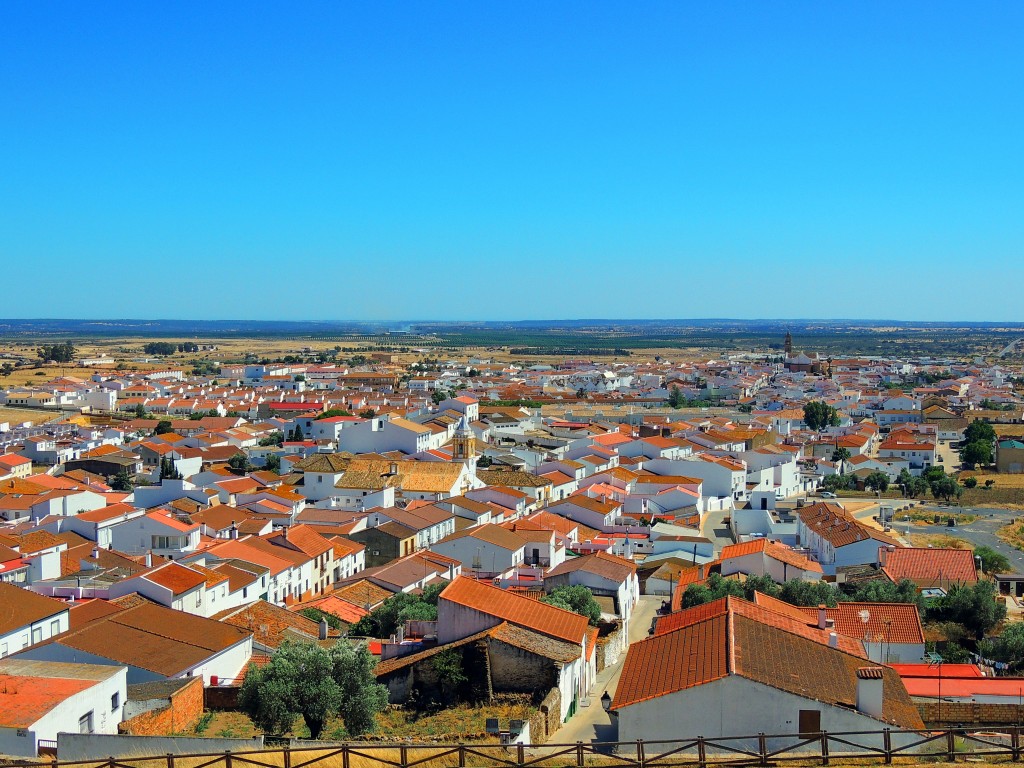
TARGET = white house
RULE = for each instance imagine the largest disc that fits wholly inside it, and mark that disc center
(38, 700)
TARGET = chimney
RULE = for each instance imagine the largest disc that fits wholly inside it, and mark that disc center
(700, 572)
(233, 533)
(323, 629)
(833, 640)
(95, 553)
(822, 617)
(149, 559)
(869, 691)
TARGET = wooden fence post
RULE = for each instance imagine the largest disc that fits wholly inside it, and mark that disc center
(950, 745)
(170, 760)
(227, 758)
(1015, 743)
(462, 756)
(579, 754)
(344, 756)
(403, 751)
(640, 755)
(287, 756)
(824, 747)
(702, 754)
(887, 745)
(762, 749)
(520, 757)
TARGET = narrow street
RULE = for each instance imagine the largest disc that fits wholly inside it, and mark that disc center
(592, 723)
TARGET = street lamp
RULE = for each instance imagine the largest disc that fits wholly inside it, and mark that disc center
(606, 701)
(935, 660)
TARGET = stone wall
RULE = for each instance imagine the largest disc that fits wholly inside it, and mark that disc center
(518, 671)
(610, 648)
(970, 713)
(547, 719)
(183, 711)
(222, 697)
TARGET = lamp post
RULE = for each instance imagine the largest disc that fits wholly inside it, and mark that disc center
(935, 660)
(606, 702)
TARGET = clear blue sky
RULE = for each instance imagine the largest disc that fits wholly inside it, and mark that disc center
(512, 160)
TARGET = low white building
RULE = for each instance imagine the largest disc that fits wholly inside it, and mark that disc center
(39, 699)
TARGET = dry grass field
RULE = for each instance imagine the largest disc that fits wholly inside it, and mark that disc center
(20, 415)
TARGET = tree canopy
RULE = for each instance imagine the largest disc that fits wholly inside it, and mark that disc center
(577, 599)
(385, 619)
(58, 353)
(304, 679)
(819, 414)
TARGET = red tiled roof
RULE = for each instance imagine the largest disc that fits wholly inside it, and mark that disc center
(673, 661)
(889, 622)
(532, 614)
(928, 567)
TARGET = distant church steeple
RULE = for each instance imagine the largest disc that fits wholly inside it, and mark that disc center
(464, 442)
(789, 344)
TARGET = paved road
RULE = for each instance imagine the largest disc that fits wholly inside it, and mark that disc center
(592, 723)
(982, 532)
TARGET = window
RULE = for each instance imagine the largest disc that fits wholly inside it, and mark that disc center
(55, 627)
(115, 701)
(809, 722)
(3, 650)
(37, 635)
(85, 723)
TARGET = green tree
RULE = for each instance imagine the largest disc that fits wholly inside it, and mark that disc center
(713, 589)
(877, 481)
(58, 353)
(979, 430)
(367, 413)
(946, 488)
(240, 463)
(330, 413)
(160, 348)
(447, 665)
(298, 680)
(976, 452)
(122, 481)
(438, 395)
(139, 410)
(577, 599)
(932, 474)
(970, 482)
(6, 369)
(272, 463)
(385, 619)
(275, 438)
(168, 471)
(809, 593)
(362, 697)
(840, 454)
(992, 561)
(675, 397)
(299, 435)
(163, 427)
(819, 414)
(884, 591)
(1007, 647)
(975, 607)
(762, 584)
(315, 614)
(745, 408)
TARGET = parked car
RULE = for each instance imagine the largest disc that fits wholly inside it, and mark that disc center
(827, 495)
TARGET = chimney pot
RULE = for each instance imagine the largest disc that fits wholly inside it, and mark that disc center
(822, 616)
(833, 640)
(323, 629)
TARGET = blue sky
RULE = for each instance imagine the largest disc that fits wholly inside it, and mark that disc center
(379, 161)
